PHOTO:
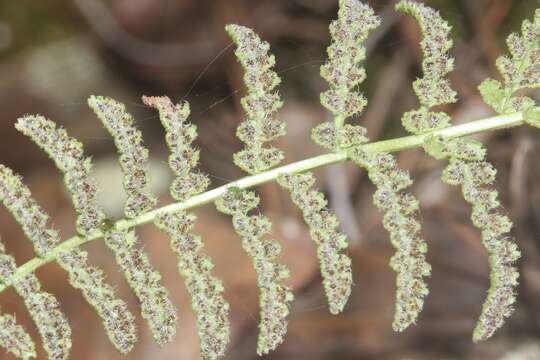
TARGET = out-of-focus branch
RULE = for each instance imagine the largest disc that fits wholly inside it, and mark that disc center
(106, 26)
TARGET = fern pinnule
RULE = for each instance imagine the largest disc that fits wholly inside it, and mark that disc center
(260, 104)
(400, 220)
(520, 70)
(184, 157)
(68, 156)
(156, 306)
(343, 72)
(434, 88)
(274, 296)
(467, 166)
(32, 219)
(335, 266)
(43, 307)
(15, 339)
(206, 291)
(133, 153)
(117, 320)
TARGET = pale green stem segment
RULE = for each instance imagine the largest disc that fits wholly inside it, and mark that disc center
(393, 145)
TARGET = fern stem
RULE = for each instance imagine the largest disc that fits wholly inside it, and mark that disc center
(393, 145)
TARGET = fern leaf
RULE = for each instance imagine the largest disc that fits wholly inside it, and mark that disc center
(33, 220)
(400, 220)
(133, 154)
(157, 308)
(42, 306)
(335, 266)
(487, 216)
(15, 339)
(206, 291)
(207, 300)
(467, 166)
(344, 72)
(180, 134)
(260, 104)
(118, 322)
(434, 89)
(520, 70)
(274, 297)
(68, 156)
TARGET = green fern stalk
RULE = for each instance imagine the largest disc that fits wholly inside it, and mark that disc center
(394, 145)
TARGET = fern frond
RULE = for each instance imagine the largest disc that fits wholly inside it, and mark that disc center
(43, 307)
(206, 291)
(180, 135)
(335, 266)
(68, 156)
(117, 320)
(260, 104)
(520, 70)
(274, 296)
(133, 153)
(467, 166)
(157, 308)
(15, 339)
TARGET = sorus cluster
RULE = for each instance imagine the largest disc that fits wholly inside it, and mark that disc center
(184, 157)
(15, 339)
(32, 219)
(206, 290)
(343, 72)
(156, 306)
(69, 157)
(260, 104)
(274, 296)
(400, 220)
(323, 227)
(117, 320)
(43, 307)
(133, 155)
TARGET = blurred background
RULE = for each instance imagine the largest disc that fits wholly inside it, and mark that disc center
(55, 53)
